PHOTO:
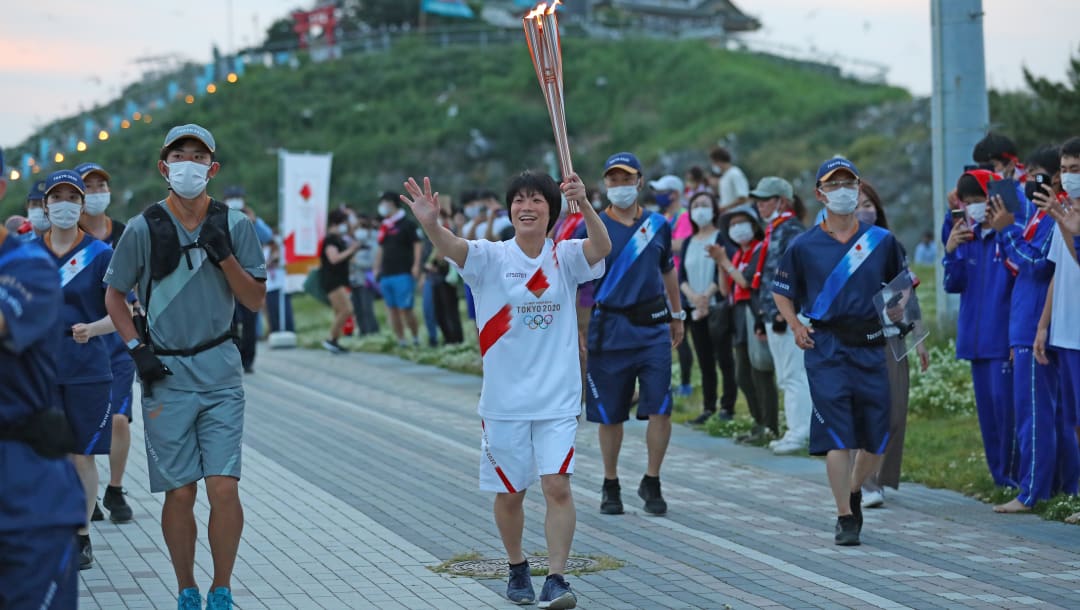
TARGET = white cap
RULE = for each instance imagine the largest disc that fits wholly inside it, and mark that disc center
(667, 183)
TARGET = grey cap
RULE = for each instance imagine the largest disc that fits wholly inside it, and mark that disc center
(745, 209)
(191, 130)
(772, 186)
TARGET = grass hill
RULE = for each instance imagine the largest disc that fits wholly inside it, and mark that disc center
(473, 116)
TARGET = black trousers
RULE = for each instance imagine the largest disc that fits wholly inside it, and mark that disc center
(245, 323)
(448, 313)
(713, 352)
(759, 388)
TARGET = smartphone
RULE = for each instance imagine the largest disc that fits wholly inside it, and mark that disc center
(1035, 184)
(958, 215)
(1006, 189)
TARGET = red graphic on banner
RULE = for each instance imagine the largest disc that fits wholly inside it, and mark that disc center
(305, 191)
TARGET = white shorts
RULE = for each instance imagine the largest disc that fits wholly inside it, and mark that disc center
(515, 454)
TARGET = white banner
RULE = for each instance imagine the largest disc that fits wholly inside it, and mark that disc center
(304, 181)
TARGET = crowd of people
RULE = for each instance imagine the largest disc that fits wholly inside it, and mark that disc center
(599, 291)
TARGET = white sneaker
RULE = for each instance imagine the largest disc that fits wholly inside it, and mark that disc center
(788, 447)
(873, 499)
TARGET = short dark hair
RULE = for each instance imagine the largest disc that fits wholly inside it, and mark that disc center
(1046, 157)
(391, 196)
(968, 186)
(994, 147)
(1071, 148)
(337, 216)
(696, 174)
(529, 182)
(165, 150)
(485, 194)
(720, 154)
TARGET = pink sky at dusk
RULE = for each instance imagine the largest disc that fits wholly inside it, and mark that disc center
(66, 55)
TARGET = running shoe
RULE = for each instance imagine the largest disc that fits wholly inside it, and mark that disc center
(219, 599)
(611, 497)
(556, 594)
(649, 490)
(519, 588)
(116, 504)
(189, 600)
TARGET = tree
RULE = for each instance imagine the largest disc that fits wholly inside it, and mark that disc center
(1049, 112)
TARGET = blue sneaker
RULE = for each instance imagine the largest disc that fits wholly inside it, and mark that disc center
(189, 600)
(685, 390)
(519, 588)
(219, 599)
(556, 594)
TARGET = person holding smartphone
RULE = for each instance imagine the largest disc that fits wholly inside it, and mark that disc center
(976, 268)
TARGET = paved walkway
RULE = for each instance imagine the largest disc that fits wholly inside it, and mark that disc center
(360, 474)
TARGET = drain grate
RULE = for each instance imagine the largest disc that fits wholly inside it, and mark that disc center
(497, 567)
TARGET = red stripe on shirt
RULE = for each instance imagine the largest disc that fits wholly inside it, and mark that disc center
(497, 326)
(566, 462)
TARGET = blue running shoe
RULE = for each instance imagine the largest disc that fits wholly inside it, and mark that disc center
(189, 600)
(556, 594)
(519, 588)
(685, 390)
(219, 599)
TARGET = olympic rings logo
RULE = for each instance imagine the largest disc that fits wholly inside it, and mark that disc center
(537, 321)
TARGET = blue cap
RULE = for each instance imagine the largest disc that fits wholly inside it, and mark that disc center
(64, 176)
(191, 130)
(234, 190)
(834, 165)
(85, 169)
(37, 191)
(624, 161)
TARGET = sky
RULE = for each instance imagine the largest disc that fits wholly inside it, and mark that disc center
(58, 57)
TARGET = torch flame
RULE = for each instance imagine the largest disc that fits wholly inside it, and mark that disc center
(543, 9)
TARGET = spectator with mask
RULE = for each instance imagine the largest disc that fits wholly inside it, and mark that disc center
(774, 198)
(667, 194)
(732, 186)
(334, 275)
(753, 363)
(696, 182)
(278, 301)
(926, 251)
(397, 266)
(35, 208)
(998, 153)
(977, 270)
(361, 278)
(706, 298)
(247, 321)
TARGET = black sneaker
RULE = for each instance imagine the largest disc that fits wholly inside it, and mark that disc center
(649, 490)
(98, 515)
(611, 498)
(847, 531)
(86, 553)
(519, 588)
(333, 346)
(119, 511)
(856, 508)
(704, 417)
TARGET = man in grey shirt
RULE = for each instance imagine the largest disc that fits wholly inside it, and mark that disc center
(193, 397)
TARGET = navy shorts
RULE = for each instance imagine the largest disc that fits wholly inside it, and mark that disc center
(398, 290)
(123, 374)
(850, 390)
(612, 376)
(38, 568)
(90, 415)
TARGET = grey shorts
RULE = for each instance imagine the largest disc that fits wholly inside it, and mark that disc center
(192, 435)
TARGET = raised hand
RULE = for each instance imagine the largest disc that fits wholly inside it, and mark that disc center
(574, 189)
(997, 216)
(424, 204)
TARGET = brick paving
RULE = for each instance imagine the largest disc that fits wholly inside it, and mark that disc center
(360, 474)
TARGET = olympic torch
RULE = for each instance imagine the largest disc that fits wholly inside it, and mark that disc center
(542, 35)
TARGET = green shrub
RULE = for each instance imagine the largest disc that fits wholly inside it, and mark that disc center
(945, 389)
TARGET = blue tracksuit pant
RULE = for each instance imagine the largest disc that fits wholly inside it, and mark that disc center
(1049, 457)
(993, 380)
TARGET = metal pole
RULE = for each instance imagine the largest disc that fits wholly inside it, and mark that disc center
(960, 114)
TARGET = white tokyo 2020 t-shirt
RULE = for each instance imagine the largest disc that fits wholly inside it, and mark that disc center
(1065, 319)
(525, 308)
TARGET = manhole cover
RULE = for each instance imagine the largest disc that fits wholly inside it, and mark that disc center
(498, 567)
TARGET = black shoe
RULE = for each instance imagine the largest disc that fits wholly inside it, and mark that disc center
(249, 370)
(611, 498)
(119, 511)
(86, 553)
(704, 417)
(847, 531)
(726, 415)
(649, 490)
(98, 515)
(856, 508)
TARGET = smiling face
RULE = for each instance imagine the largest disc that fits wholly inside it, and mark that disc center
(529, 213)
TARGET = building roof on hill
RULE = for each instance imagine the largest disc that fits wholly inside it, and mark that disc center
(734, 19)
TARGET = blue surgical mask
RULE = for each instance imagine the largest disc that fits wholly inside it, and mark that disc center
(663, 200)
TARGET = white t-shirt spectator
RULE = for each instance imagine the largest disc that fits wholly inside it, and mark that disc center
(1065, 319)
(733, 185)
(925, 253)
(525, 308)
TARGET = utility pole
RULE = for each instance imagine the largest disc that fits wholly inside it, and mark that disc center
(960, 114)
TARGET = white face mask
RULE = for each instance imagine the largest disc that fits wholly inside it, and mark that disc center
(598, 204)
(977, 211)
(188, 178)
(38, 219)
(97, 202)
(343, 228)
(701, 216)
(64, 214)
(361, 234)
(385, 209)
(842, 201)
(622, 197)
(235, 203)
(771, 217)
(1071, 184)
(741, 232)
